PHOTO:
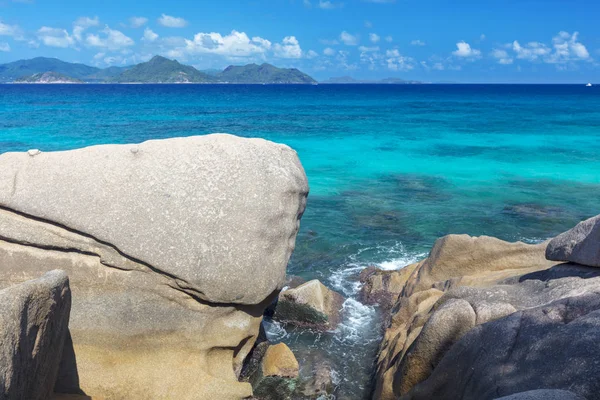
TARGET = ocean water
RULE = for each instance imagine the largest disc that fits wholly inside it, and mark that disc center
(391, 168)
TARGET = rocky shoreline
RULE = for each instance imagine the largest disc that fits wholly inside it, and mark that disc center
(145, 271)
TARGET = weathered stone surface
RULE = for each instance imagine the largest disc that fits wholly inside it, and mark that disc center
(580, 244)
(543, 394)
(173, 249)
(218, 214)
(383, 287)
(478, 259)
(310, 304)
(322, 384)
(280, 361)
(553, 346)
(34, 318)
(455, 261)
(274, 376)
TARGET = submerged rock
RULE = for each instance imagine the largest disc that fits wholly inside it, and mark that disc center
(310, 305)
(173, 252)
(543, 394)
(580, 244)
(34, 317)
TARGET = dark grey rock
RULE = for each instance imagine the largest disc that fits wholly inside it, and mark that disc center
(34, 318)
(580, 244)
(553, 346)
(543, 394)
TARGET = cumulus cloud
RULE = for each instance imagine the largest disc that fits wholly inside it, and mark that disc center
(5, 47)
(149, 35)
(373, 37)
(288, 48)
(398, 62)
(13, 31)
(465, 50)
(138, 22)
(236, 44)
(348, 39)
(565, 48)
(329, 51)
(110, 39)
(502, 56)
(172, 22)
(417, 43)
(83, 23)
(55, 37)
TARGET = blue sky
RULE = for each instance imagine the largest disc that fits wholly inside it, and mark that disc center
(429, 40)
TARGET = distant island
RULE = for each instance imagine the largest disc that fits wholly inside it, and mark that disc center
(348, 80)
(48, 77)
(157, 70)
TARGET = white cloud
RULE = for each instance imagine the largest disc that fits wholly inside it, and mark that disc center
(307, 3)
(365, 49)
(149, 35)
(172, 22)
(5, 47)
(83, 23)
(566, 48)
(398, 62)
(329, 51)
(502, 56)
(531, 51)
(311, 54)
(328, 5)
(373, 37)
(11, 30)
(288, 48)
(417, 43)
(138, 22)
(111, 40)
(389, 39)
(464, 50)
(55, 37)
(236, 44)
(348, 39)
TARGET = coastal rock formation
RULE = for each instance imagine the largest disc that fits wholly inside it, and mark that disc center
(34, 318)
(273, 372)
(311, 304)
(580, 244)
(414, 340)
(543, 394)
(173, 249)
(383, 287)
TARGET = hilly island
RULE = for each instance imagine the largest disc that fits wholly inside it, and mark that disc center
(157, 70)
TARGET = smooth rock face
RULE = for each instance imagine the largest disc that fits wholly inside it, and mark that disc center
(383, 287)
(34, 318)
(173, 251)
(275, 375)
(580, 244)
(543, 394)
(310, 304)
(217, 213)
(553, 346)
(280, 361)
(411, 346)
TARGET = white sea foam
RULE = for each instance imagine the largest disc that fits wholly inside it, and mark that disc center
(357, 321)
(274, 330)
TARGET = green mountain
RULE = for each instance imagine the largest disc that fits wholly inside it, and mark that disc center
(163, 70)
(24, 68)
(48, 77)
(264, 73)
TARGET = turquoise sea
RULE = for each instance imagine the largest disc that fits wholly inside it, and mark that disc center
(391, 168)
